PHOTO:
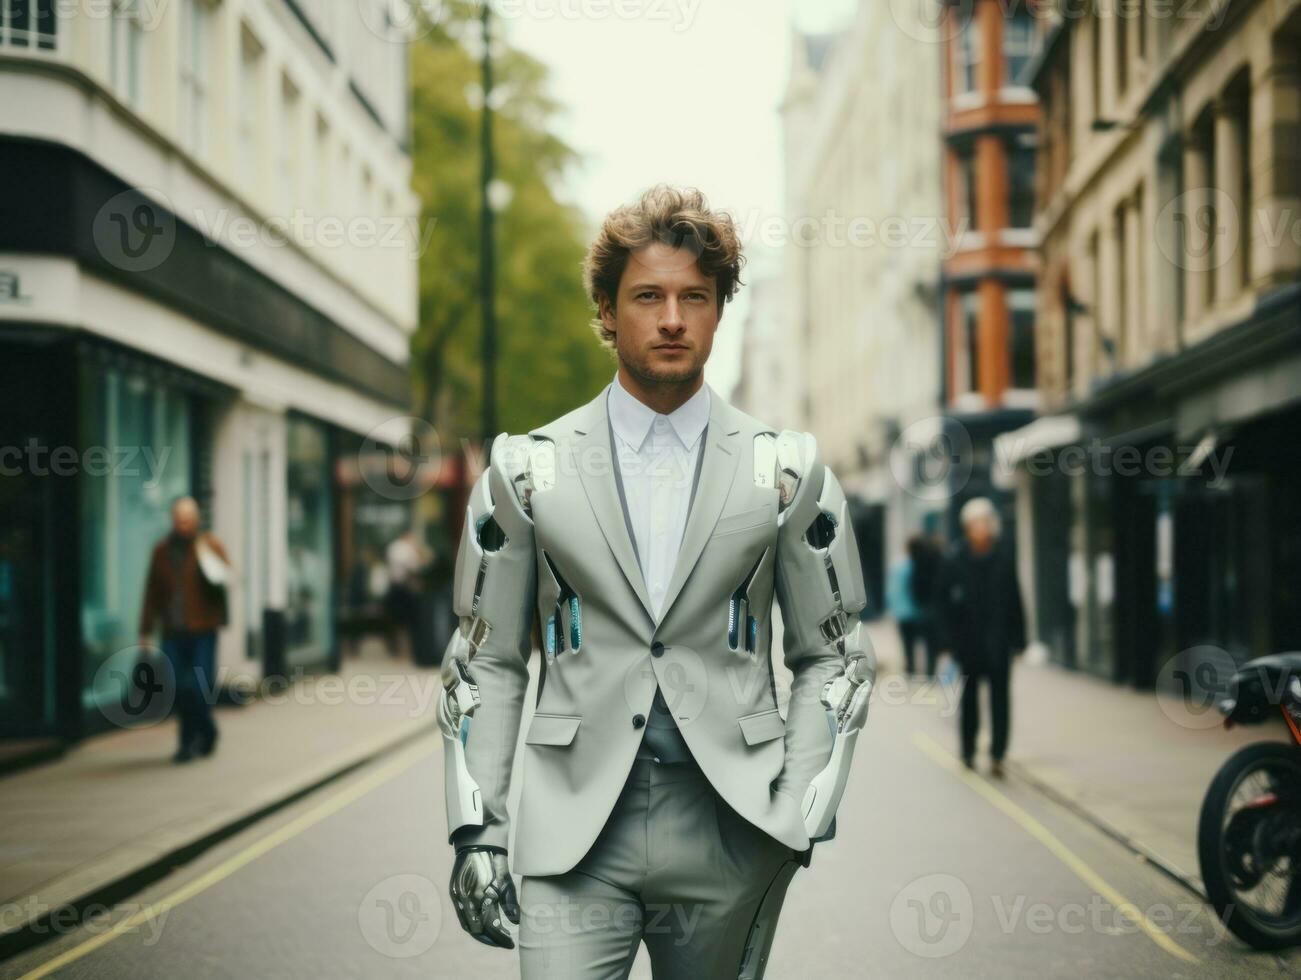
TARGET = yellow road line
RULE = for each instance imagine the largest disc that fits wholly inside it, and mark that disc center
(1063, 853)
(232, 864)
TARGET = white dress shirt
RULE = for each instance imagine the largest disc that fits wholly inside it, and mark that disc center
(657, 462)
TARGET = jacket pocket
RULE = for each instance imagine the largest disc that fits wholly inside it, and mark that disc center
(742, 521)
(552, 729)
(762, 726)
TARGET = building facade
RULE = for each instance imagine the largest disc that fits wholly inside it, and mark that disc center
(207, 286)
(989, 283)
(1169, 338)
(863, 257)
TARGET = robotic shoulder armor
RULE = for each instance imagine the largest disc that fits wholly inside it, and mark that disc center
(784, 460)
(527, 464)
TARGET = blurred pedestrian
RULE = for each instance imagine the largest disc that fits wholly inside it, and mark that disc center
(185, 595)
(406, 559)
(982, 624)
(900, 599)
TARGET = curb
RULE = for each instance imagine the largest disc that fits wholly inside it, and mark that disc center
(1190, 882)
(38, 928)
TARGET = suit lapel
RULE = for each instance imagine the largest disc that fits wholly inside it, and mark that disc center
(717, 470)
(594, 459)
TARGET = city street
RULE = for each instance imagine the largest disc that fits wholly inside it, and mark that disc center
(935, 872)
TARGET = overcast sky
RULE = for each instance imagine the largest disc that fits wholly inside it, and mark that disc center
(683, 91)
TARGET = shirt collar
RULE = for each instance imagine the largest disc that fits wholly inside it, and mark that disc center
(632, 418)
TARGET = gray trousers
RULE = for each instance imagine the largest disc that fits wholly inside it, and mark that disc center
(674, 867)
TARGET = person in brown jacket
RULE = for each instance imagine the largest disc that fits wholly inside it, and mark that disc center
(189, 609)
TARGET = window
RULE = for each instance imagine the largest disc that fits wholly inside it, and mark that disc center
(250, 107)
(1020, 172)
(287, 146)
(321, 165)
(967, 188)
(123, 513)
(1020, 45)
(966, 53)
(28, 24)
(1020, 308)
(969, 335)
(126, 49)
(196, 69)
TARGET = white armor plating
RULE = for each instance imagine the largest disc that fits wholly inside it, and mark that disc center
(497, 528)
(832, 585)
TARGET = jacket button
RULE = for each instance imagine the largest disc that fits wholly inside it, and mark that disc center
(657, 649)
(638, 721)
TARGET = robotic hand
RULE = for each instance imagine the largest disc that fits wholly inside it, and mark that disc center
(846, 696)
(482, 890)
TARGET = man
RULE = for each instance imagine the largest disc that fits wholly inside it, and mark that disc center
(982, 623)
(190, 609)
(406, 559)
(665, 800)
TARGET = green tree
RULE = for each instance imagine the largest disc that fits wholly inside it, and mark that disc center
(548, 359)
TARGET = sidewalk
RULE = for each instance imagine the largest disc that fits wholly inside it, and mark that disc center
(116, 805)
(1110, 753)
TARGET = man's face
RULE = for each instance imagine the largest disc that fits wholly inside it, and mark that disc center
(980, 533)
(185, 518)
(665, 315)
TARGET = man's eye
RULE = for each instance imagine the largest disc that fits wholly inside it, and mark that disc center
(646, 295)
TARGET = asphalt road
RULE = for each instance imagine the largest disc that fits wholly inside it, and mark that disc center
(935, 872)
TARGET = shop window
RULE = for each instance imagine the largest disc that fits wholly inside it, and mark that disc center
(136, 435)
(309, 608)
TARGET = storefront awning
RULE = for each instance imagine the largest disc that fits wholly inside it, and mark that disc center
(1048, 432)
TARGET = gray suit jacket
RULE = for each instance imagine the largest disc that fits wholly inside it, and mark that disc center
(584, 734)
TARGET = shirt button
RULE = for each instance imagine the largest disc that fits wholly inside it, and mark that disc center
(657, 649)
(638, 721)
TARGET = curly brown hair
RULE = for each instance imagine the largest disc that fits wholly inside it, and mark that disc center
(678, 217)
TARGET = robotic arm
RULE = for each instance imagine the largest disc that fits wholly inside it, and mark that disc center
(485, 675)
(821, 591)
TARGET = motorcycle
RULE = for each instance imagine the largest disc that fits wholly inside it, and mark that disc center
(1249, 831)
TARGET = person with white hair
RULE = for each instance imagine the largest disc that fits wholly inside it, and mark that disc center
(981, 622)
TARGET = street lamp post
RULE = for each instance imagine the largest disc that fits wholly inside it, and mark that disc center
(487, 252)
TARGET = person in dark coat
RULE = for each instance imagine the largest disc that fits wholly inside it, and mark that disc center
(981, 622)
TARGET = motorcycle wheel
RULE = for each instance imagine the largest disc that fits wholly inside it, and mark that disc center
(1222, 860)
